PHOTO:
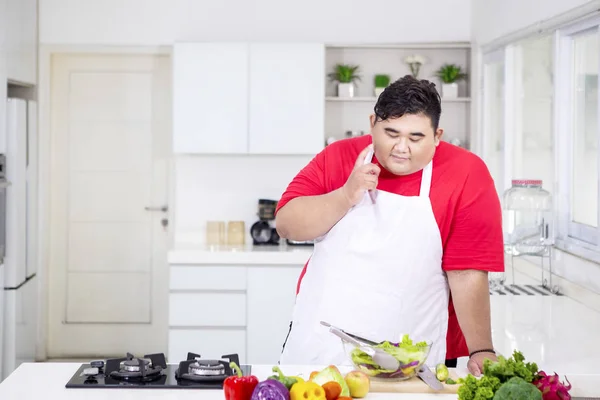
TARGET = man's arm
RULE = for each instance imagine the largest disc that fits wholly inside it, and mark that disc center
(312, 214)
(308, 217)
(473, 248)
(471, 297)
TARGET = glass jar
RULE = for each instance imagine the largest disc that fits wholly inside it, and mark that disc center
(527, 218)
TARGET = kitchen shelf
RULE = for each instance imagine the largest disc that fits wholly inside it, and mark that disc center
(375, 46)
(374, 99)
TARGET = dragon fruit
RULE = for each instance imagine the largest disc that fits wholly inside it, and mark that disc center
(551, 386)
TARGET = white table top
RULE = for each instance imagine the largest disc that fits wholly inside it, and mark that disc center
(47, 381)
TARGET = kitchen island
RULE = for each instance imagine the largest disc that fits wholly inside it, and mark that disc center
(47, 381)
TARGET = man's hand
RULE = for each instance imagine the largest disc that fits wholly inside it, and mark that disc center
(471, 298)
(475, 363)
(363, 177)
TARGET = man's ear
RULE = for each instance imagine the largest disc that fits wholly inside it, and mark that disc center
(372, 120)
(438, 136)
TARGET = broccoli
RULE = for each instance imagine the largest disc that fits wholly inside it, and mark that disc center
(518, 389)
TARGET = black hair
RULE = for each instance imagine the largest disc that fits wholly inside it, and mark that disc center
(409, 95)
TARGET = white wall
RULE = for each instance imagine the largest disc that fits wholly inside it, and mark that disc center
(493, 19)
(161, 22)
(227, 188)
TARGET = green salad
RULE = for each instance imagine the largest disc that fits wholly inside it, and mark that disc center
(410, 355)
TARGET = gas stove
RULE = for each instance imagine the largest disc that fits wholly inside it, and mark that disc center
(152, 372)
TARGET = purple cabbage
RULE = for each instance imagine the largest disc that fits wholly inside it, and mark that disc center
(270, 389)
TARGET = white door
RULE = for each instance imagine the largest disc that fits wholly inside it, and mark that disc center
(111, 119)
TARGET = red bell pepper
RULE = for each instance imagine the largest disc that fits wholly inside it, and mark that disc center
(239, 387)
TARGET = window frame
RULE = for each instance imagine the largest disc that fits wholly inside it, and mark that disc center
(573, 237)
(497, 56)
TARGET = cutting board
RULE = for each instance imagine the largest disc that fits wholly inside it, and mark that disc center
(413, 385)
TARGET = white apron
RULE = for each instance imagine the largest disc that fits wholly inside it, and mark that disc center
(378, 274)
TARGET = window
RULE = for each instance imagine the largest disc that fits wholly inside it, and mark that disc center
(577, 122)
(541, 120)
(533, 133)
(493, 116)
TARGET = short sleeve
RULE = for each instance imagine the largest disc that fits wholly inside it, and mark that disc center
(475, 239)
(310, 181)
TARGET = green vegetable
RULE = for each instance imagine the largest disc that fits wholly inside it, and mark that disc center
(478, 389)
(409, 354)
(495, 374)
(287, 381)
(441, 372)
(504, 368)
(518, 389)
(450, 381)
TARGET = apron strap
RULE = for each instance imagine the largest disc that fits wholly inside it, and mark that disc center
(426, 180)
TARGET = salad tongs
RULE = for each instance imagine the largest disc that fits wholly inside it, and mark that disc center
(380, 357)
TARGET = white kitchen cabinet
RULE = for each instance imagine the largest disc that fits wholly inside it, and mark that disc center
(248, 98)
(219, 309)
(286, 99)
(210, 98)
(21, 40)
(271, 294)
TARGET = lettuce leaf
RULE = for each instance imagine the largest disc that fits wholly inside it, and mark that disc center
(330, 374)
(406, 352)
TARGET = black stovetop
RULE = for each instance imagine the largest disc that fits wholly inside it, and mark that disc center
(117, 373)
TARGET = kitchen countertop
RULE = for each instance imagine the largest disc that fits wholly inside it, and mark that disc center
(197, 254)
(47, 381)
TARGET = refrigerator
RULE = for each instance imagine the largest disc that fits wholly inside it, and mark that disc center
(19, 336)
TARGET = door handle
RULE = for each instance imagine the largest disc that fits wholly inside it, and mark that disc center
(163, 208)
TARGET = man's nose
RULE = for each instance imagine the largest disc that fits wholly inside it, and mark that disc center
(401, 145)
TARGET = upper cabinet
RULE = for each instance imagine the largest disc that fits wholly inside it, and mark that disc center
(251, 98)
(210, 98)
(21, 41)
(287, 92)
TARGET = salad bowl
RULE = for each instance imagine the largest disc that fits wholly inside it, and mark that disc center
(366, 355)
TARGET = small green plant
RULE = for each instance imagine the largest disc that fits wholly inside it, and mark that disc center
(450, 73)
(344, 73)
(382, 81)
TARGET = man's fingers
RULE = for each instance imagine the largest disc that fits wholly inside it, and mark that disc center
(473, 368)
(371, 169)
(360, 160)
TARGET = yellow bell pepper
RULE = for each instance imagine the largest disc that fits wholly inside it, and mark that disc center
(307, 391)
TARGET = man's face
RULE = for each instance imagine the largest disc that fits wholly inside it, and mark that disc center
(404, 145)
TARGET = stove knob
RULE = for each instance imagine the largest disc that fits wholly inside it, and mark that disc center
(97, 364)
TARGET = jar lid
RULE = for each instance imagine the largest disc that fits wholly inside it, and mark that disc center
(536, 182)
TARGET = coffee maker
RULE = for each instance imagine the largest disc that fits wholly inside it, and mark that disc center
(263, 231)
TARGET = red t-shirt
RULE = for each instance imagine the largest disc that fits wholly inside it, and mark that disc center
(463, 197)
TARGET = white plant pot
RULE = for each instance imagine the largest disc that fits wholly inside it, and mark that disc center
(450, 90)
(378, 91)
(345, 90)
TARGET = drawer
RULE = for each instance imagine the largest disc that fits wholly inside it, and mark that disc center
(207, 309)
(207, 278)
(209, 343)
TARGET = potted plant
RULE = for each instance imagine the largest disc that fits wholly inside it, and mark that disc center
(381, 82)
(345, 75)
(450, 74)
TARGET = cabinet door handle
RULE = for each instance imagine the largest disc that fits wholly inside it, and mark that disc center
(163, 208)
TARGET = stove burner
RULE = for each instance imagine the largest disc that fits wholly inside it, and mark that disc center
(134, 365)
(143, 369)
(207, 367)
(199, 370)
